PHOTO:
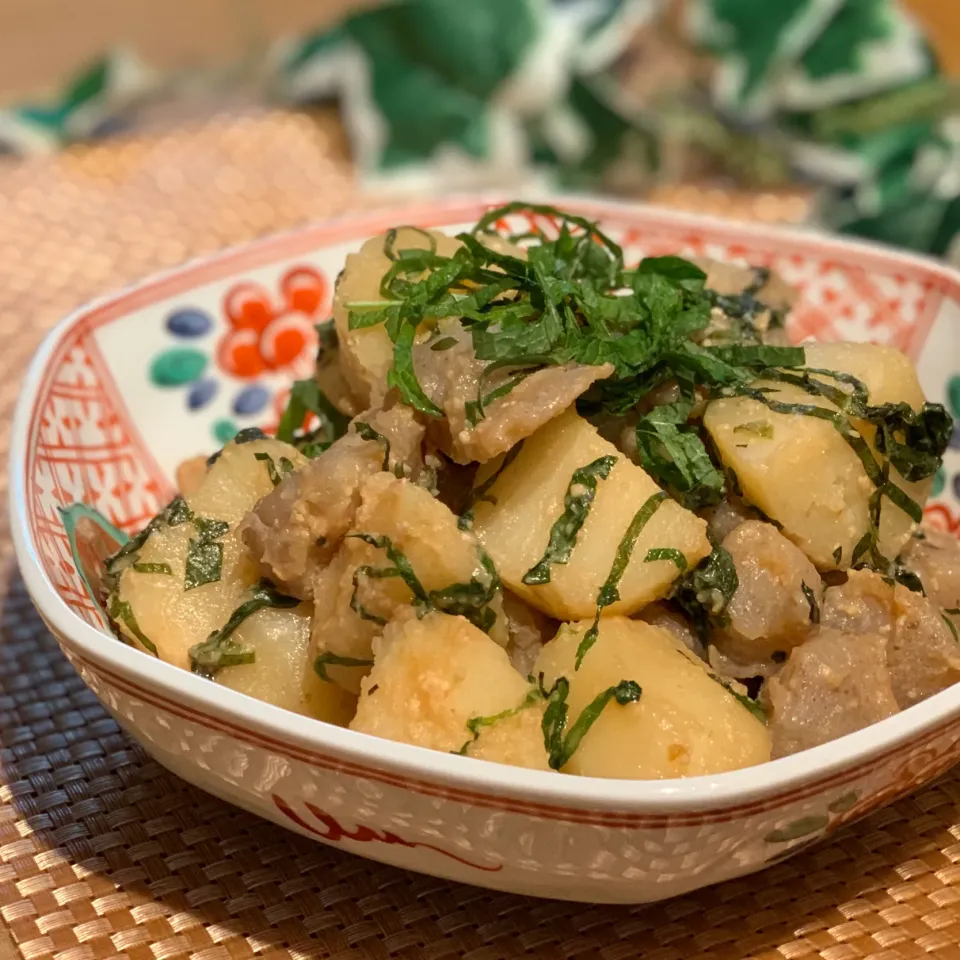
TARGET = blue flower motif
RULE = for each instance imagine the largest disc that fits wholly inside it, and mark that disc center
(201, 393)
(189, 323)
(251, 400)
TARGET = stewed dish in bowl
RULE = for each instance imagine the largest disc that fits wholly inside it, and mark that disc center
(646, 512)
(545, 508)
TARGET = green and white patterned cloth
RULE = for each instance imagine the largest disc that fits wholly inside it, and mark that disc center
(468, 92)
(457, 93)
(854, 89)
(95, 100)
(844, 95)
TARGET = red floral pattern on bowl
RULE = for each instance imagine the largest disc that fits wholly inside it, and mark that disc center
(273, 334)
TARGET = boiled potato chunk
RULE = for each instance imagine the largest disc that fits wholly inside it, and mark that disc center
(528, 497)
(432, 675)
(282, 674)
(890, 377)
(798, 470)
(329, 372)
(516, 740)
(190, 475)
(172, 618)
(367, 354)
(338, 630)
(801, 472)
(426, 532)
(685, 723)
(237, 480)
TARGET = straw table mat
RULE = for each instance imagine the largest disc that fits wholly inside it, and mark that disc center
(103, 854)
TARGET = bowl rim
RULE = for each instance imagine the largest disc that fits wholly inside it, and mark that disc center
(841, 760)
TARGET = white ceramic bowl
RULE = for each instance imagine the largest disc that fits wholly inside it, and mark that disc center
(125, 389)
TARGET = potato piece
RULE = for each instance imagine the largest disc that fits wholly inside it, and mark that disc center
(516, 740)
(283, 674)
(366, 355)
(802, 473)
(890, 377)
(798, 470)
(426, 532)
(684, 724)
(191, 474)
(337, 629)
(175, 619)
(732, 280)
(172, 618)
(528, 497)
(237, 479)
(432, 676)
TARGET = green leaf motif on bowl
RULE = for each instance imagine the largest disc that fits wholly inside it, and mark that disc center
(798, 828)
(92, 538)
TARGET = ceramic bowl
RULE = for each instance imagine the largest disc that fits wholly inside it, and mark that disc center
(124, 390)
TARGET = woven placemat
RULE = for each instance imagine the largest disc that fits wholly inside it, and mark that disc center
(104, 854)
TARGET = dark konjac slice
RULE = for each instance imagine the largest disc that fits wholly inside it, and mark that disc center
(726, 516)
(923, 656)
(331, 379)
(776, 604)
(453, 379)
(935, 558)
(862, 604)
(835, 684)
(663, 616)
(295, 529)
(539, 398)
(528, 630)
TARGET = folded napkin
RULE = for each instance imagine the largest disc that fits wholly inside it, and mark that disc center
(621, 94)
(93, 102)
(843, 97)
